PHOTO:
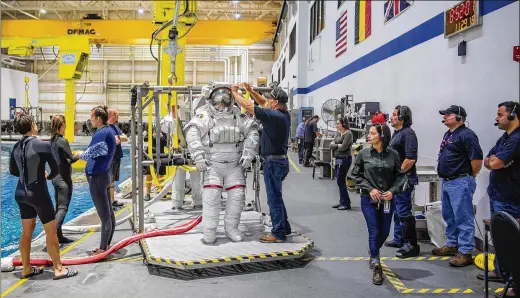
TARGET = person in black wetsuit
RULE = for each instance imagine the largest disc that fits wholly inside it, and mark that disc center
(63, 181)
(27, 162)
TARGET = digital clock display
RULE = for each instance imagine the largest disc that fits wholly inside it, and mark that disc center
(461, 17)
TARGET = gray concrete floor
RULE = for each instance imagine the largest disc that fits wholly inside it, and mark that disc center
(338, 269)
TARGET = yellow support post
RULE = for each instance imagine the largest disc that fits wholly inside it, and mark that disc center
(70, 108)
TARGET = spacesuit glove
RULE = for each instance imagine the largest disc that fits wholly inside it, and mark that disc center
(202, 165)
(245, 162)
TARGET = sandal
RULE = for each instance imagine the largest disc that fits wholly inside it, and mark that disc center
(270, 238)
(70, 273)
(36, 271)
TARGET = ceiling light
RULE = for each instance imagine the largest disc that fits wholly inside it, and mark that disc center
(140, 10)
(235, 2)
(236, 15)
(42, 10)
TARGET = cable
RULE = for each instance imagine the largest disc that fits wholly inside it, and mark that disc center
(89, 81)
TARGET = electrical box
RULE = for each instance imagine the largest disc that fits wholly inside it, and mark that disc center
(305, 113)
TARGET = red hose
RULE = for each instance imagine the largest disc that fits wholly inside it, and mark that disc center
(123, 243)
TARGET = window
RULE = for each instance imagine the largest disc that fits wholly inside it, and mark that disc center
(340, 2)
(317, 20)
(283, 70)
(292, 43)
(279, 75)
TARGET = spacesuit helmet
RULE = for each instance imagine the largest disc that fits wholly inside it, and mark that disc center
(221, 98)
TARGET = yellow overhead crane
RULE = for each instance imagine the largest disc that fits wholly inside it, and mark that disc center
(73, 56)
(21, 37)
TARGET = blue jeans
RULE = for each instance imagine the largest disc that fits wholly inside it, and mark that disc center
(512, 209)
(275, 171)
(403, 210)
(342, 166)
(378, 224)
(301, 146)
(457, 212)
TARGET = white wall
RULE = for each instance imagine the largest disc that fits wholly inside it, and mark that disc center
(13, 86)
(427, 77)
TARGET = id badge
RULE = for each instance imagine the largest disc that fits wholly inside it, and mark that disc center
(386, 207)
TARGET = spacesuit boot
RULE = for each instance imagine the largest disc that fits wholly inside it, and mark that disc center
(211, 198)
(196, 191)
(178, 189)
(236, 197)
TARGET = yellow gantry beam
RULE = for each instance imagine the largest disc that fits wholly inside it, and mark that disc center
(233, 32)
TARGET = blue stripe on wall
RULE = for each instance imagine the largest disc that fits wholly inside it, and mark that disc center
(422, 33)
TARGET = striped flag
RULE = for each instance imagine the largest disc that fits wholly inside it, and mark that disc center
(363, 20)
(395, 7)
(341, 34)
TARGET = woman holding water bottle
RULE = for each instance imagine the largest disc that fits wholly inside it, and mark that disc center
(377, 171)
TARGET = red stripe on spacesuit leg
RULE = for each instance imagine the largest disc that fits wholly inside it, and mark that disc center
(213, 186)
(236, 186)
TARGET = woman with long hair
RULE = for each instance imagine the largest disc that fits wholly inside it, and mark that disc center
(377, 171)
(63, 181)
(342, 146)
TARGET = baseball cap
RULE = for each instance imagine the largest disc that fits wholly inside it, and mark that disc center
(280, 95)
(453, 109)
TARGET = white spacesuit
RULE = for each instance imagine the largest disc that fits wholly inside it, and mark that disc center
(222, 143)
(179, 185)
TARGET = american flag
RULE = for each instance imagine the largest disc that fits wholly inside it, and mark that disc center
(395, 7)
(341, 34)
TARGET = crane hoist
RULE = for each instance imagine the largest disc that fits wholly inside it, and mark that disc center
(74, 52)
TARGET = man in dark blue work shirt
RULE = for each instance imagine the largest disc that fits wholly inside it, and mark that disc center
(113, 118)
(460, 160)
(504, 162)
(404, 141)
(311, 133)
(274, 144)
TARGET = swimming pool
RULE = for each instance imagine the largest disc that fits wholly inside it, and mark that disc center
(81, 200)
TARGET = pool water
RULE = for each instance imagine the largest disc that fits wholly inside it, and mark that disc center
(81, 200)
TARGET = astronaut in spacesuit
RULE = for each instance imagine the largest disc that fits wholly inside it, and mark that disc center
(222, 143)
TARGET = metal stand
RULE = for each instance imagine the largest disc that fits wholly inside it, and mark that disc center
(486, 277)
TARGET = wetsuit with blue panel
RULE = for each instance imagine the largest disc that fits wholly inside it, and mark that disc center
(99, 156)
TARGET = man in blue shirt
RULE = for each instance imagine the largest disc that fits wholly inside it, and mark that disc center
(300, 133)
(113, 118)
(503, 160)
(460, 160)
(274, 143)
(404, 141)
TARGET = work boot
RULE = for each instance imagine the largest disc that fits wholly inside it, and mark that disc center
(461, 260)
(445, 251)
(377, 277)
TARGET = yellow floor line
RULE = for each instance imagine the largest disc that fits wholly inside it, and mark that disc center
(392, 278)
(294, 165)
(68, 248)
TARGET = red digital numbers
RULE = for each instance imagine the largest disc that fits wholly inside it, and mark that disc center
(461, 11)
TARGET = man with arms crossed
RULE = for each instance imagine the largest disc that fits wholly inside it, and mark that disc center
(113, 118)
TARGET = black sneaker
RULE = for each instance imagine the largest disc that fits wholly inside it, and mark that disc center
(147, 198)
(115, 203)
(344, 208)
(408, 251)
